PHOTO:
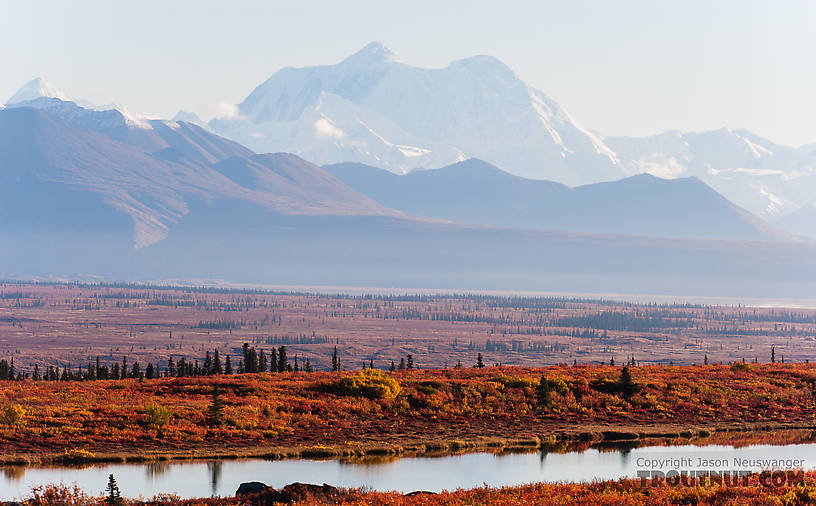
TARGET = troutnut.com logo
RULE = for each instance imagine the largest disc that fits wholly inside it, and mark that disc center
(769, 472)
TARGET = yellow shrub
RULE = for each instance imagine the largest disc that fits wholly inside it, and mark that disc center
(78, 455)
(13, 415)
(370, 383)
(157, 415)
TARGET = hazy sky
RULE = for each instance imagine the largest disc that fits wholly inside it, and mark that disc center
(622, 67)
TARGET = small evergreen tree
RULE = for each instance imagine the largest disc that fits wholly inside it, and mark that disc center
(626, 384)
(217, 369)
(480, 361)
(114, 496)
(283, 362)
(208, 363)
(262, 364)
(215, 411)
(544, 393)
(773, 353)
(335, 360)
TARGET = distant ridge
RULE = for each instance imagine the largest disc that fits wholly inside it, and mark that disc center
(474, 191)
(52, 169)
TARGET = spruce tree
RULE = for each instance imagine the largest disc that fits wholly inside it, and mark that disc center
(626, 384)
(215, 411)
(208, 366)
(335, 360)
(114, 496)
(283, 362)
(217, 369)
(544, 393)
(262, 365)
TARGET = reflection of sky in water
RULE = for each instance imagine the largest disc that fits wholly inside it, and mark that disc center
(202, 479)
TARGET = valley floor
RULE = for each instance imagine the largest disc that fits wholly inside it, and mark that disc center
(405, 412)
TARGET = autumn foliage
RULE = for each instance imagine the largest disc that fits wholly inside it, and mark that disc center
(323, 408)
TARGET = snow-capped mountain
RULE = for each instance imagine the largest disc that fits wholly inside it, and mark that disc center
(189, 117)
(80, 187)
(375, 109)
(37, 88)
(372, 108)
(769, 179)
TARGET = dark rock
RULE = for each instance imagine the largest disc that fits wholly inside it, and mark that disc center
(419, 492)
(300, 491)
(251, 487)
(295, 492)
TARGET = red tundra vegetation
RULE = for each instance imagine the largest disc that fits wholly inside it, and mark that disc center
(294, 413)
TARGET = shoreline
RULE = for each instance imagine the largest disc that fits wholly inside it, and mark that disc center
(571, 439)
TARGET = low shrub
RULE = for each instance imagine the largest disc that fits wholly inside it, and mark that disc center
(371, 383)
(157, 415)
(13, 415)
(78, 455)
(514, 381)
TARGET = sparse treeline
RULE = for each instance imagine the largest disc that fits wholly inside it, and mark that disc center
(251, 361)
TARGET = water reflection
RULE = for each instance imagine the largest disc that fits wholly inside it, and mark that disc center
(13, 473)
(553, 463)
(214, 469)
(155, 470)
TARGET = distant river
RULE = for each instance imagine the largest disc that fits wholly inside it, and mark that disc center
(221, 478)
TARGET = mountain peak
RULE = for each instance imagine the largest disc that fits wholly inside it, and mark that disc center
(189, 117)
(373, 52)
(37, 88)
(484, 64)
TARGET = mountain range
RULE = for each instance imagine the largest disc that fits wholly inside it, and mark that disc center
(477, 192)
(102, 166)
(372, 108)
(98, 191)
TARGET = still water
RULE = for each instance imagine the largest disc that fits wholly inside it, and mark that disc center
(221, 478)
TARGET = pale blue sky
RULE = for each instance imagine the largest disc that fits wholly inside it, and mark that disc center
(623, 68)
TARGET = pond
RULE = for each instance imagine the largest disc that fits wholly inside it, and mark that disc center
(221, 478)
